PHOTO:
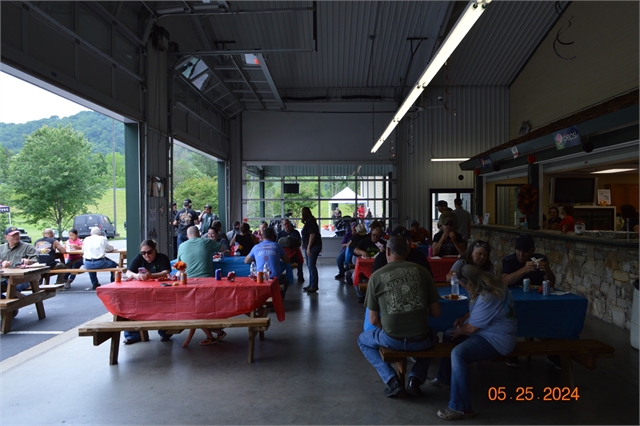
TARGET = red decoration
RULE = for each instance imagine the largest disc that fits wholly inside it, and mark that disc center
(476, 172)
(531, 159)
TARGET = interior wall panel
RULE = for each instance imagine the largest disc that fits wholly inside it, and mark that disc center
(91, 71)
(475, 119)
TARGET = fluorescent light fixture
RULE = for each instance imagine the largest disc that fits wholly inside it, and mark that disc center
(461, 28)
(457, 160)
(612, 171)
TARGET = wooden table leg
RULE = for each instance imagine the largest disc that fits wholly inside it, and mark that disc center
(7, 319)
(115, 348)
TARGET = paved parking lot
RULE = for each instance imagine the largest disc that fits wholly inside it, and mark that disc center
(69, 309)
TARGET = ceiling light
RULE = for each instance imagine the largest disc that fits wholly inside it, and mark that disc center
(457, 160)
(457, 34)
(612, 171)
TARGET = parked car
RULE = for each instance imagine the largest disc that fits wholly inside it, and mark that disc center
(24, 237)
(84, 222)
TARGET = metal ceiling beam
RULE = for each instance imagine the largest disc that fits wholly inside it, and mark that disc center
(246, 79)
(272, 84)
(213, 9)
(240, 52)
(114, 22)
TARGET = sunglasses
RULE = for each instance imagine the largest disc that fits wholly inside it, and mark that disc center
(145, 253)
(481, 244)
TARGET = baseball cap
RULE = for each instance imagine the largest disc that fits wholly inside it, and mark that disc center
(442, 203)
(401, 230)
(11, 230)
(186, 202)
(208, 206)
(524, 243)
(360, 229)
(173, 203)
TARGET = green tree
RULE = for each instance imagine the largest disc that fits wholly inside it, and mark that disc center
(201, 190)
(56, 176)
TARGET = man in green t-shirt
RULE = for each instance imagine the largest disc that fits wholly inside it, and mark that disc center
(198, 253)
(400, 298)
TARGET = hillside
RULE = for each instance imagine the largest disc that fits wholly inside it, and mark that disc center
(96, 127)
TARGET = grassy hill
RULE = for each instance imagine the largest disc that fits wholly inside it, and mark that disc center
(105, 207)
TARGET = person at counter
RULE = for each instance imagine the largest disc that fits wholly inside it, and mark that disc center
(448, 242)
(554, 219)
(567, 224)
(629, 213)
(519, 265)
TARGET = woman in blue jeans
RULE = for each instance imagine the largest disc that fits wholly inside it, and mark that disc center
(486, 332)
(311, 247)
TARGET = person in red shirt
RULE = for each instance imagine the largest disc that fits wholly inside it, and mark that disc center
(567, 223)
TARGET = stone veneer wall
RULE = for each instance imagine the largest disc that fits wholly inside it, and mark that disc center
(602, 273)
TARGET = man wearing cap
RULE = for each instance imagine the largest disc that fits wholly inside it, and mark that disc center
(519, 265)
(13, 253)
(419, 235)
(400, 297)
(46, 248)
(234, 231)
(206, 219)
(443, 206)
(184, 219)
(414, 256)
(94, 248)
(448, 242)
(371, 245)
(464, 219)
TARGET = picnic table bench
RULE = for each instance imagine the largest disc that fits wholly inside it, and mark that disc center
(583, 351)
(47, 276)
(103, 331)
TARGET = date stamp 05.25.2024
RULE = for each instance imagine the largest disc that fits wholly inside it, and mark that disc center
(528, 393)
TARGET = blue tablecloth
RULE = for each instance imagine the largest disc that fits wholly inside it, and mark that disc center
(424, 249)
(554, 317)
(236, 263)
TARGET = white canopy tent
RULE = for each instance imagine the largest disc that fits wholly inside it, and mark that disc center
(346, 196)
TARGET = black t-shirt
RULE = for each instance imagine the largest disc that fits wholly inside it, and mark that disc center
(246, 241)
(369, 246)
(510, 265)
(185, 218)
(309, 228)
(46, 251)
(415, 256)
(448, 248)
(159, 264)
(294, 235)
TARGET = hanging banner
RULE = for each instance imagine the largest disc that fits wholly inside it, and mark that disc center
(485, 162)
(4, 209)
(514, 151)
(567, 138)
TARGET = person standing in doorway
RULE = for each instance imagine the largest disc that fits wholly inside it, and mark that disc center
(312, 246)
(464, 219)
(184, 219)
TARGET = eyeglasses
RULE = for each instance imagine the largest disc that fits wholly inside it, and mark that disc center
(146, 253)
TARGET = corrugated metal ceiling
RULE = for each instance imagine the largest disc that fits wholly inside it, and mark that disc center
(364, 48)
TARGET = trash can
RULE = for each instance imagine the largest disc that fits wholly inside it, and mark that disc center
(634, 316)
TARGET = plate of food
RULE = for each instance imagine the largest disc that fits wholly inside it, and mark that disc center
(454, 297)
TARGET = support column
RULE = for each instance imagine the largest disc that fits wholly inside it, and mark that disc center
(533, 178)
(133, 185)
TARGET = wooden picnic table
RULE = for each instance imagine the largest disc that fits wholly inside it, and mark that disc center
(122, 252)
(15, 301)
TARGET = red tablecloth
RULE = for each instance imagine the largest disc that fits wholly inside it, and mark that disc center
(201, 298)
(441, 267)
(364, 265)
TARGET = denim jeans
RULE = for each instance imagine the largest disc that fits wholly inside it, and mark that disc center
(370, 342)
(135, 335)
(72, 264)
(348, 256)
(311, 264)
(181, 239)
(99, 264)
(455, 370)
(340, 260)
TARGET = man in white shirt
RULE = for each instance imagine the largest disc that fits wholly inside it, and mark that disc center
(94, 249)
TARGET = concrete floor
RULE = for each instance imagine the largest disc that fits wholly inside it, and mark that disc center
(308, 370)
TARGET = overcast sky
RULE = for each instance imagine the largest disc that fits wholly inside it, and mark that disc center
(21, 102)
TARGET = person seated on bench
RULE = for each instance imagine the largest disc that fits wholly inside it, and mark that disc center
(73, 261)
(487, 331)
(478, 254)
(198, 253)
(94, 249)
(13, 253)
(157, 265)
(46, 248)
(400, 298)
(269, 252)
(414, 256)
(295, 240)
(448, 242)
(518, 266)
